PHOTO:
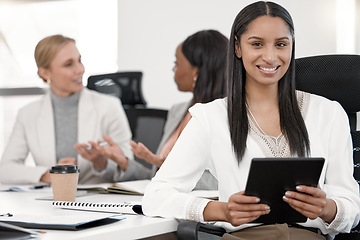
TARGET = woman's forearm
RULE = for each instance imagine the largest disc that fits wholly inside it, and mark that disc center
(330, 211)
(215, 211)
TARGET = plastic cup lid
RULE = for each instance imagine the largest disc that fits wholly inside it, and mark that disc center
(64, 169)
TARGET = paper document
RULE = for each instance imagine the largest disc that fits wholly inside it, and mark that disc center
(210, 194)
(128, 187)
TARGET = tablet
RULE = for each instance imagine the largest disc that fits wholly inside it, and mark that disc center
(270, 178)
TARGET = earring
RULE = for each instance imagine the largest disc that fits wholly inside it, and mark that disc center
(48, 81)
(194, 82)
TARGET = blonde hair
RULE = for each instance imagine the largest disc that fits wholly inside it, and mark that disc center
(46, 50)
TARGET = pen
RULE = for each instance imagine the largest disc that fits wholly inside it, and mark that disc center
(21, 229)
(6, 215)
(101, 144)
(41, 186)
(15, 189)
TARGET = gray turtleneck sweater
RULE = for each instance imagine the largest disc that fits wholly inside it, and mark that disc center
(65, 120)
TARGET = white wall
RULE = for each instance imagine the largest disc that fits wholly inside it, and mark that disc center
(150, 30)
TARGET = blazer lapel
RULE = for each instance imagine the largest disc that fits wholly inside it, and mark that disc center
(46, 130)
(173, 122)
(178, 117)
(87, 118)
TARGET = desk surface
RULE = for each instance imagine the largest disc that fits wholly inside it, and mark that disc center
(133, 227)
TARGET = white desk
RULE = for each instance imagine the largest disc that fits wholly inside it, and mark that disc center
(133, 227)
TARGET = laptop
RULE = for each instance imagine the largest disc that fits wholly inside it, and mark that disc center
(270, 178)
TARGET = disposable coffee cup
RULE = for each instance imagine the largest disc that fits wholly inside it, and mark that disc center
(64, 180)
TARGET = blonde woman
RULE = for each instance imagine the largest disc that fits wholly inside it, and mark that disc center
(56, 128)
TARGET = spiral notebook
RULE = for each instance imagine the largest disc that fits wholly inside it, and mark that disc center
(127, 208)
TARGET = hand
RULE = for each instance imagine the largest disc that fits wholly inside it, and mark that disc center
(112, 151)
(46, 177)
(67, 161)
(141, 151)
(63, 161)
(99, 161)
(312, 203)
(240, 209)
(243, 209)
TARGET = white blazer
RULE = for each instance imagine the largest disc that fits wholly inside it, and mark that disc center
(33, 133)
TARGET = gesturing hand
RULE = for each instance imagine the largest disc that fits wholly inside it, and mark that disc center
(111, 151)
(99, 161)
(67, 161)
(312, 203)
(141, 151)
(243, 209)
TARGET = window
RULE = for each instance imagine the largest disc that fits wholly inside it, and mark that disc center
(92, 23)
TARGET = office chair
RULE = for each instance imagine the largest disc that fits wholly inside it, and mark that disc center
(124, 85)
(336, 77)
(147, 125)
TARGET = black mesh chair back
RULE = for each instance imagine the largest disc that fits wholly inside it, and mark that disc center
(336, 77)
(124, 85)
(356, 142)
(147, 125)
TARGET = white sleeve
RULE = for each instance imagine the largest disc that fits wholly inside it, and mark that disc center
(12, 166)
(339, 182)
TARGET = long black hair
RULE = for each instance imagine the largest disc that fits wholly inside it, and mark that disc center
(291, 121)
(207, 50)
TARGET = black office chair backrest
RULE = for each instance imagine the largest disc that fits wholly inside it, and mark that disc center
(336, 77)
(147, 125)
(124, 85)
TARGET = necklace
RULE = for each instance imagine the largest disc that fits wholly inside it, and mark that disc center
(275, 139)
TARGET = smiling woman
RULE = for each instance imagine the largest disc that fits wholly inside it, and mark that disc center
(263, 116)
(270, 55)
(266, 50)
(63, 71)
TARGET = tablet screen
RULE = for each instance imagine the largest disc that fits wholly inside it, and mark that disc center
(270, 178)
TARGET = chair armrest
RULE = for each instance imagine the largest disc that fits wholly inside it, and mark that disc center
(188, 230)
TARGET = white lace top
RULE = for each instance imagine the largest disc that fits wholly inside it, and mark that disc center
(205, 143)
(275, 146)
